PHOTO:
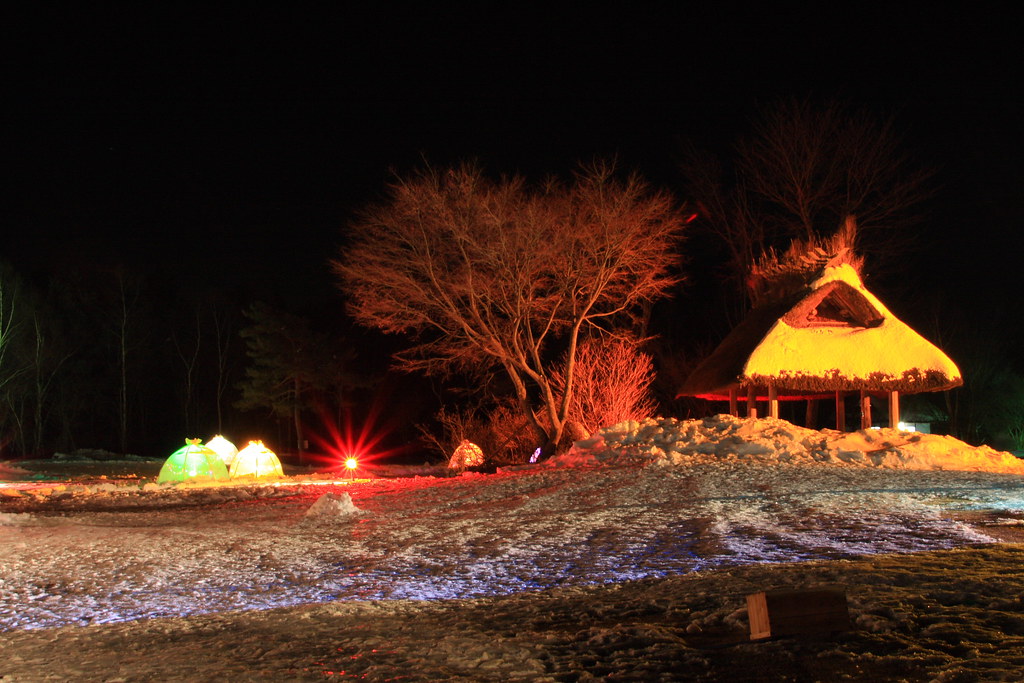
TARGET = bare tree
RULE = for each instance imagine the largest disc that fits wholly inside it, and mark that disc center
(10, 369)
(187, 345)
(801, 172)
(9, 295)
(491, 273)
(204, 346)
(222, 336)
(48, 354)
(501, 432)
(126, 308)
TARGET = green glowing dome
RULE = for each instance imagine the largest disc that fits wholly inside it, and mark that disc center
(193, 462)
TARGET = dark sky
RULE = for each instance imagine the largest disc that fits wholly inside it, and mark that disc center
(246, 139)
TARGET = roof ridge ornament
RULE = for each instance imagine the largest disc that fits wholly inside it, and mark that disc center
(776, 276)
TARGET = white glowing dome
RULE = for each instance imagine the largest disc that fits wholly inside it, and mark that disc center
(224, 449)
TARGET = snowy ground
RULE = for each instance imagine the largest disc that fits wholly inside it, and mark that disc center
(643, 540)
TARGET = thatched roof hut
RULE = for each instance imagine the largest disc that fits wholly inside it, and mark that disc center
(817, 333)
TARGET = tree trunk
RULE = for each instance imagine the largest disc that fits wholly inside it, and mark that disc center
(123, 363)
(297, 417)
(519, 386)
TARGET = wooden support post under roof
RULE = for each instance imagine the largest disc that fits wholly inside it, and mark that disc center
(811, 416)
(773, 401)
(751, 401)
(734, 409)
(840, 412)
(865, 410)
(894, 409)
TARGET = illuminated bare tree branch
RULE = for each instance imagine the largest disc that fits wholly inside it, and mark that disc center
(489, 273)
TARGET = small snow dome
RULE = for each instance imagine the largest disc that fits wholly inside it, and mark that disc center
(193, 462)
(467, 454)
(223, 448)
(256, 460)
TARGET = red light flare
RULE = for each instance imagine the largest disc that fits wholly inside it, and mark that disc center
(363, 444)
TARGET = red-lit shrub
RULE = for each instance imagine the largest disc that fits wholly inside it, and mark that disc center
(611, 383)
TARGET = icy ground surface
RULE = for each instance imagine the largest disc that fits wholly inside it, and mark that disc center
(121, 553)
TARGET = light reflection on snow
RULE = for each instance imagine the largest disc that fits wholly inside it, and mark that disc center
(471, 537)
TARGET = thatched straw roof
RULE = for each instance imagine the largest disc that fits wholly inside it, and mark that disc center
(830, 334)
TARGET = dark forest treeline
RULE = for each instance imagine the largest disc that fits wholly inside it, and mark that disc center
(97, 357)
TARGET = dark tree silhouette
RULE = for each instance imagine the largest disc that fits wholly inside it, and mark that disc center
(290, 366)
(800, 174)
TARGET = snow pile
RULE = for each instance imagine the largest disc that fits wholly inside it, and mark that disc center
(97, 454)
(9, 471)
(768, 440)
(332, 505)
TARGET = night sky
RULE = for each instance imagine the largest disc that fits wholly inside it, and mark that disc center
(239, 144)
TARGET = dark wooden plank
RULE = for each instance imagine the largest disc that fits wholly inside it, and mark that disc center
(798, 611)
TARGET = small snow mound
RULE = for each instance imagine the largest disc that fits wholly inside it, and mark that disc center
(332, 505)
(9, 471)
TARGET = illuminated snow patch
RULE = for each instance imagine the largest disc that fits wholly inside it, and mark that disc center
(464, 537)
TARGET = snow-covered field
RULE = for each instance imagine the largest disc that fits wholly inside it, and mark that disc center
(137, 574)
